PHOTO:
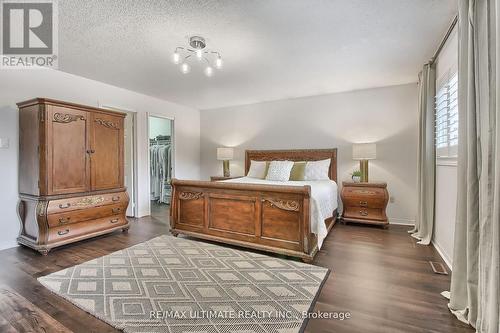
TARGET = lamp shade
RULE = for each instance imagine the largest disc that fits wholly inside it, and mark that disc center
(225, 154)
(364, 151)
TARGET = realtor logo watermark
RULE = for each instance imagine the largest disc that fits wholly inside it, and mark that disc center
(29, 34)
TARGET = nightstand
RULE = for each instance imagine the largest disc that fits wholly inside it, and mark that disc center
(216, 178)
(365, 203)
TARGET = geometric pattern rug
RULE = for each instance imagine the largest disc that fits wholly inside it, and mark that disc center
(175, 285)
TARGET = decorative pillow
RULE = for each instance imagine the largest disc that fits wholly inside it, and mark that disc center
(317, 170)
(298, 171)
(279, 170)
(258, 169)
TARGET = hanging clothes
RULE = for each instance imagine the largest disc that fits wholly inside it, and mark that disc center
(160, 152)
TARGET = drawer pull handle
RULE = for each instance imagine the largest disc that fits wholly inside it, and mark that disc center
(363, 212)
(116, 198)
(65, 206)
(114, 221)
(363, 203)
(63, 232)
(116, 210)
(64, 220)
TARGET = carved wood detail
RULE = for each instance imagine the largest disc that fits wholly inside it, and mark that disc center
(41, 208)
(190, 195)
(289, 205)
(107, 123)
(42, 113)
(364, 192)
(65, 118)
(88, 201)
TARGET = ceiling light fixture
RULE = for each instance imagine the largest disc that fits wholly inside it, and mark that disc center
(185, 68)
(182, 56)
(209, 71)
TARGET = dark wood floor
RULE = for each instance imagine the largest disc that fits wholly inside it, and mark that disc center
(158, 211)
(380, 276)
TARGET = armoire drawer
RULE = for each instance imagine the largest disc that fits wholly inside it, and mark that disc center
(75, 230)
(78, 203)
(82, 215)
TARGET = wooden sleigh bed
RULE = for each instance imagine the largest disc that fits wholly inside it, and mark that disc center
(272, 218)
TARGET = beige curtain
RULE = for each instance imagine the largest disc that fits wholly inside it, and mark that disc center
(475, 287)
(426, 167)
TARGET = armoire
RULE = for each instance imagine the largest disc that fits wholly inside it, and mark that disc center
(71, 173)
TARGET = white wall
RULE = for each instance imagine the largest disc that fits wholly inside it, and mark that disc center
(19, 85)
(446, 207)
(446, 170)
(386, 115)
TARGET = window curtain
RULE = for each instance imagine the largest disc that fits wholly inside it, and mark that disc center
(426, 168)
(475, 287)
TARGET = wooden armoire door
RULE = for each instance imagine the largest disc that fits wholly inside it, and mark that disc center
(106, 142)
(66, 145)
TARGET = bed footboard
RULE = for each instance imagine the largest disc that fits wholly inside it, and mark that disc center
(264, 217)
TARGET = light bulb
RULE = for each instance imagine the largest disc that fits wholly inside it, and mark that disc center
(185, 68)
(218, 62)
(176, 57)
(199, 54)
(209, 71)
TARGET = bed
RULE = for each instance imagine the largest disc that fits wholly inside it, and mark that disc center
(288, 218)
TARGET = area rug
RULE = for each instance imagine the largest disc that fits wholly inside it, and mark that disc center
(175, 285)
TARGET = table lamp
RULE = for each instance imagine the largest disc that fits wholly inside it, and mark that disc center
(225, 155)
(364, 152)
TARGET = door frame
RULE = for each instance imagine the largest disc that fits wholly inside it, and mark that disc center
(135, 175)
(173, 143)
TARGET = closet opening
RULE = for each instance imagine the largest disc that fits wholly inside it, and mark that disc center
(161, 163)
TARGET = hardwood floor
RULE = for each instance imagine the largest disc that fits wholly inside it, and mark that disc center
(159, 210)
(380, 276)
(383, 278)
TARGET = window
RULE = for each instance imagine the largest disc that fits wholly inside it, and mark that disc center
(447, 117)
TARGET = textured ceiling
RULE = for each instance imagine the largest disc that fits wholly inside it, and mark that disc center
(272, 49)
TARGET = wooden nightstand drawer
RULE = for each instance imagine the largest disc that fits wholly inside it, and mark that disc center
(378, 202)
(364, 192)
(364, 213)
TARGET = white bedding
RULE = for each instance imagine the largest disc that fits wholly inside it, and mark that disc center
(323, 200)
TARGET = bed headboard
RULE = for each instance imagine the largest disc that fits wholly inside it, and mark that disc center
(294, 155)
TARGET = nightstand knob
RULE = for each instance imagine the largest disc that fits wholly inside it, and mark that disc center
(363, 212)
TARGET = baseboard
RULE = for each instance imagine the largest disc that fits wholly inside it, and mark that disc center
(143, 213)
(393, 220)
(443, 256)
(8, 245)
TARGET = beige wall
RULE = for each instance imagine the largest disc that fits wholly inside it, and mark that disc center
(386, 115)
(19, 85)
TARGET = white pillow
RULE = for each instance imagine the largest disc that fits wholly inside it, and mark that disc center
(279, 170)
(257, 169)
(317, 170)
